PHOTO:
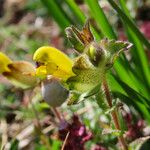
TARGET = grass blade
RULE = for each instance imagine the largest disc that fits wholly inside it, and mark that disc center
(101, 19)
(122, 65)
(81, 17)
(76, 10)
(130, 23)
(56, 13)
(121, 90)
(138, 52)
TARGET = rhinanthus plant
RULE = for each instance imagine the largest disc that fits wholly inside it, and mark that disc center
(72, 80)
(82, 77)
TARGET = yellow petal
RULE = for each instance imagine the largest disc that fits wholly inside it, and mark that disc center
(51, 67)
(41, 72)
(4, 62)
(57, 63)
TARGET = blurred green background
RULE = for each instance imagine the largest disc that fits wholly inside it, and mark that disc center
(25, 25)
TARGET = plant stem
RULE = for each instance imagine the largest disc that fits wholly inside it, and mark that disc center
(113, 113)
(57, 114)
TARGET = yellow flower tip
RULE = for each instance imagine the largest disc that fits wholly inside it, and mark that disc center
(53, 62)
(4, 62)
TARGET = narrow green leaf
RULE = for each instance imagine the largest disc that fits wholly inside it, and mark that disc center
(141, 61)
(130, 96)
(107, 30)
(130, 102)
(56, 13)
(81, 17)
(130, 23)
(130, 91)
(124, 74)
(101, 19)
(76, 10)
(125, 9)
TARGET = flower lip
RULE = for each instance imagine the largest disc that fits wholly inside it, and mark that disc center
(38, 64)
(51, 61)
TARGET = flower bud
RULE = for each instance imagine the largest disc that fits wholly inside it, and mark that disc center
(95, 53)
(53, 92)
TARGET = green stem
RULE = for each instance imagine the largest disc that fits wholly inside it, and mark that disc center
(114, 114)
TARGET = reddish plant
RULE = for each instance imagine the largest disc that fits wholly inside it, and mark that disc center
(78, 135)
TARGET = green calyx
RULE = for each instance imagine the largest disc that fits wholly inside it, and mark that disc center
(80, 39)
(94, 60)
(106, 51)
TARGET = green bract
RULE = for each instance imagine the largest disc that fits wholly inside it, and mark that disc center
(92, 63)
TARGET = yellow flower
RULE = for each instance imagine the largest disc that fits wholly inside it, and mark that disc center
(4, 62)
(19, 73)
(51, 61)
